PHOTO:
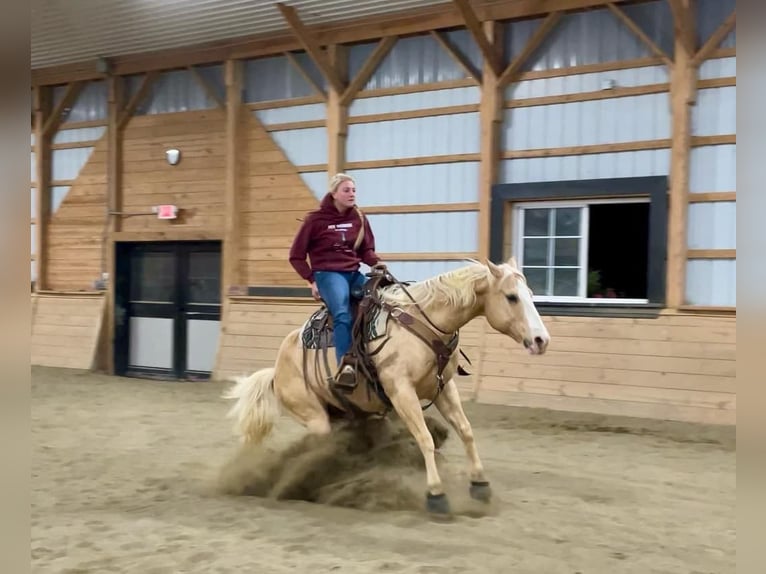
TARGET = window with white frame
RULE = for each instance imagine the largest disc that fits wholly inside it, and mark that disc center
(594, 251)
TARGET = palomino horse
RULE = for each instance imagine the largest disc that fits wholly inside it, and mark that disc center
(407, 368)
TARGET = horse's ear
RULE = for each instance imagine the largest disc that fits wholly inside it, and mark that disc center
(512, 262)
(496, 271)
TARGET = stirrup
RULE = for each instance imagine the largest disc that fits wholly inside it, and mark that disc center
(346, 378)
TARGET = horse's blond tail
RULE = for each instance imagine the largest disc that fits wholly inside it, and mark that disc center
(256, 408)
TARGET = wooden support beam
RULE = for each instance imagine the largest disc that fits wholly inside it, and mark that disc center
(628, 21)
(533, 44)
(491, 121)
(715, 39)
(488, 51)
(234, 158)
(337, 114)
(306, 76)
(137, 98)
(42, 109)
(209, 90)
(116, 86)
(461, 60)
(368, 68)
(311, 46)
(683, 24)
(683, 81)
(54, 119)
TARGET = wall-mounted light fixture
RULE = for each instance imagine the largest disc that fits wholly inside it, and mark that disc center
(173, 156)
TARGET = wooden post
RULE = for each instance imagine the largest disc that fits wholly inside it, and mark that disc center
(491, 120)
(42, 181)
(337, 113)
(234, 122)
(113, 205)
(683, 81)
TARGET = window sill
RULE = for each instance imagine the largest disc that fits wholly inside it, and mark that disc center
(616, 310)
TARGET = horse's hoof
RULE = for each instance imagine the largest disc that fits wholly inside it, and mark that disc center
(481, 491)
(438, 505)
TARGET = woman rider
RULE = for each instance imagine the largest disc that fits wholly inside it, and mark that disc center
(336, 238)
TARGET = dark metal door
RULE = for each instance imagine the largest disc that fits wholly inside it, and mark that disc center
(167, 309)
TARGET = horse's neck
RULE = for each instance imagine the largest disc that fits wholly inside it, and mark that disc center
(449, 317)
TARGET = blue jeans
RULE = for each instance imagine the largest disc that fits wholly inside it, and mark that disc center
(335, 289)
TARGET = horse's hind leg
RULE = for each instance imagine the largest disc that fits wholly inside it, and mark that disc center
(407, 405)
(449, 405)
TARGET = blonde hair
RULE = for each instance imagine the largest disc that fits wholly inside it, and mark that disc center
(339, 178)
(335, 181)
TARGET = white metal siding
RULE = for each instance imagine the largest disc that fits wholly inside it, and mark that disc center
(317, 182)
(586, 38)
(715, 112)
(58, 193)
(416, 101)
(712, 225)
(67, 163)
(274, 78)
(303, 113)
(425, 232)
(418, 184)
(79, 135)
(711, 282)
(710, 14)
(587, 123)
(411, 61)
(713, 168)
(90, 105)
(32, 166)
(603, 165)
(439, 135)
(304, 146)
(578, 83)
(176, 91)
(718, 68)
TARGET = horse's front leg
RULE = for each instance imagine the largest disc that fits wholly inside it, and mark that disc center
(407, 405)
(449, 405)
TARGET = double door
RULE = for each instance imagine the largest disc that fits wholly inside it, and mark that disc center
(167, 309)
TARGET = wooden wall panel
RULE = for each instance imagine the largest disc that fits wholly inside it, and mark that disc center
(674, 367)
(77, 227)
(274, 199)
(66, 329)
(195, 185)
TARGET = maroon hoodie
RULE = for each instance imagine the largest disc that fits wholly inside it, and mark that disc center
(327, 236)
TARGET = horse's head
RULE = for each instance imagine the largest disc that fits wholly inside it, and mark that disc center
(509, 308)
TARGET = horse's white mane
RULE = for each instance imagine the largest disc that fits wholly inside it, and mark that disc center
(454, 288)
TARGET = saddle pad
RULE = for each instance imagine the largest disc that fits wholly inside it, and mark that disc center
(318, 334)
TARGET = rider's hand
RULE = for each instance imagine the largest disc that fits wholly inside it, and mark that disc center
(380, 266)
(315, 291)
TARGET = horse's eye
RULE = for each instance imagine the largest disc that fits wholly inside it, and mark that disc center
(513, 298)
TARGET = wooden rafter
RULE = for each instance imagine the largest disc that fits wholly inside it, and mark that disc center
(715, 39)
(628, 21)
(70, 96)
(461, 60)
(311, 46)
(205, 85)
(137, 98)
(368, 68)
(534, 42)
(474, 27)
(306, 76)
(683, 23)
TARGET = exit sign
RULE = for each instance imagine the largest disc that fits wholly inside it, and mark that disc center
(166, 211)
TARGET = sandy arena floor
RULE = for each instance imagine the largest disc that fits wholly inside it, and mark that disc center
(145, 477)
